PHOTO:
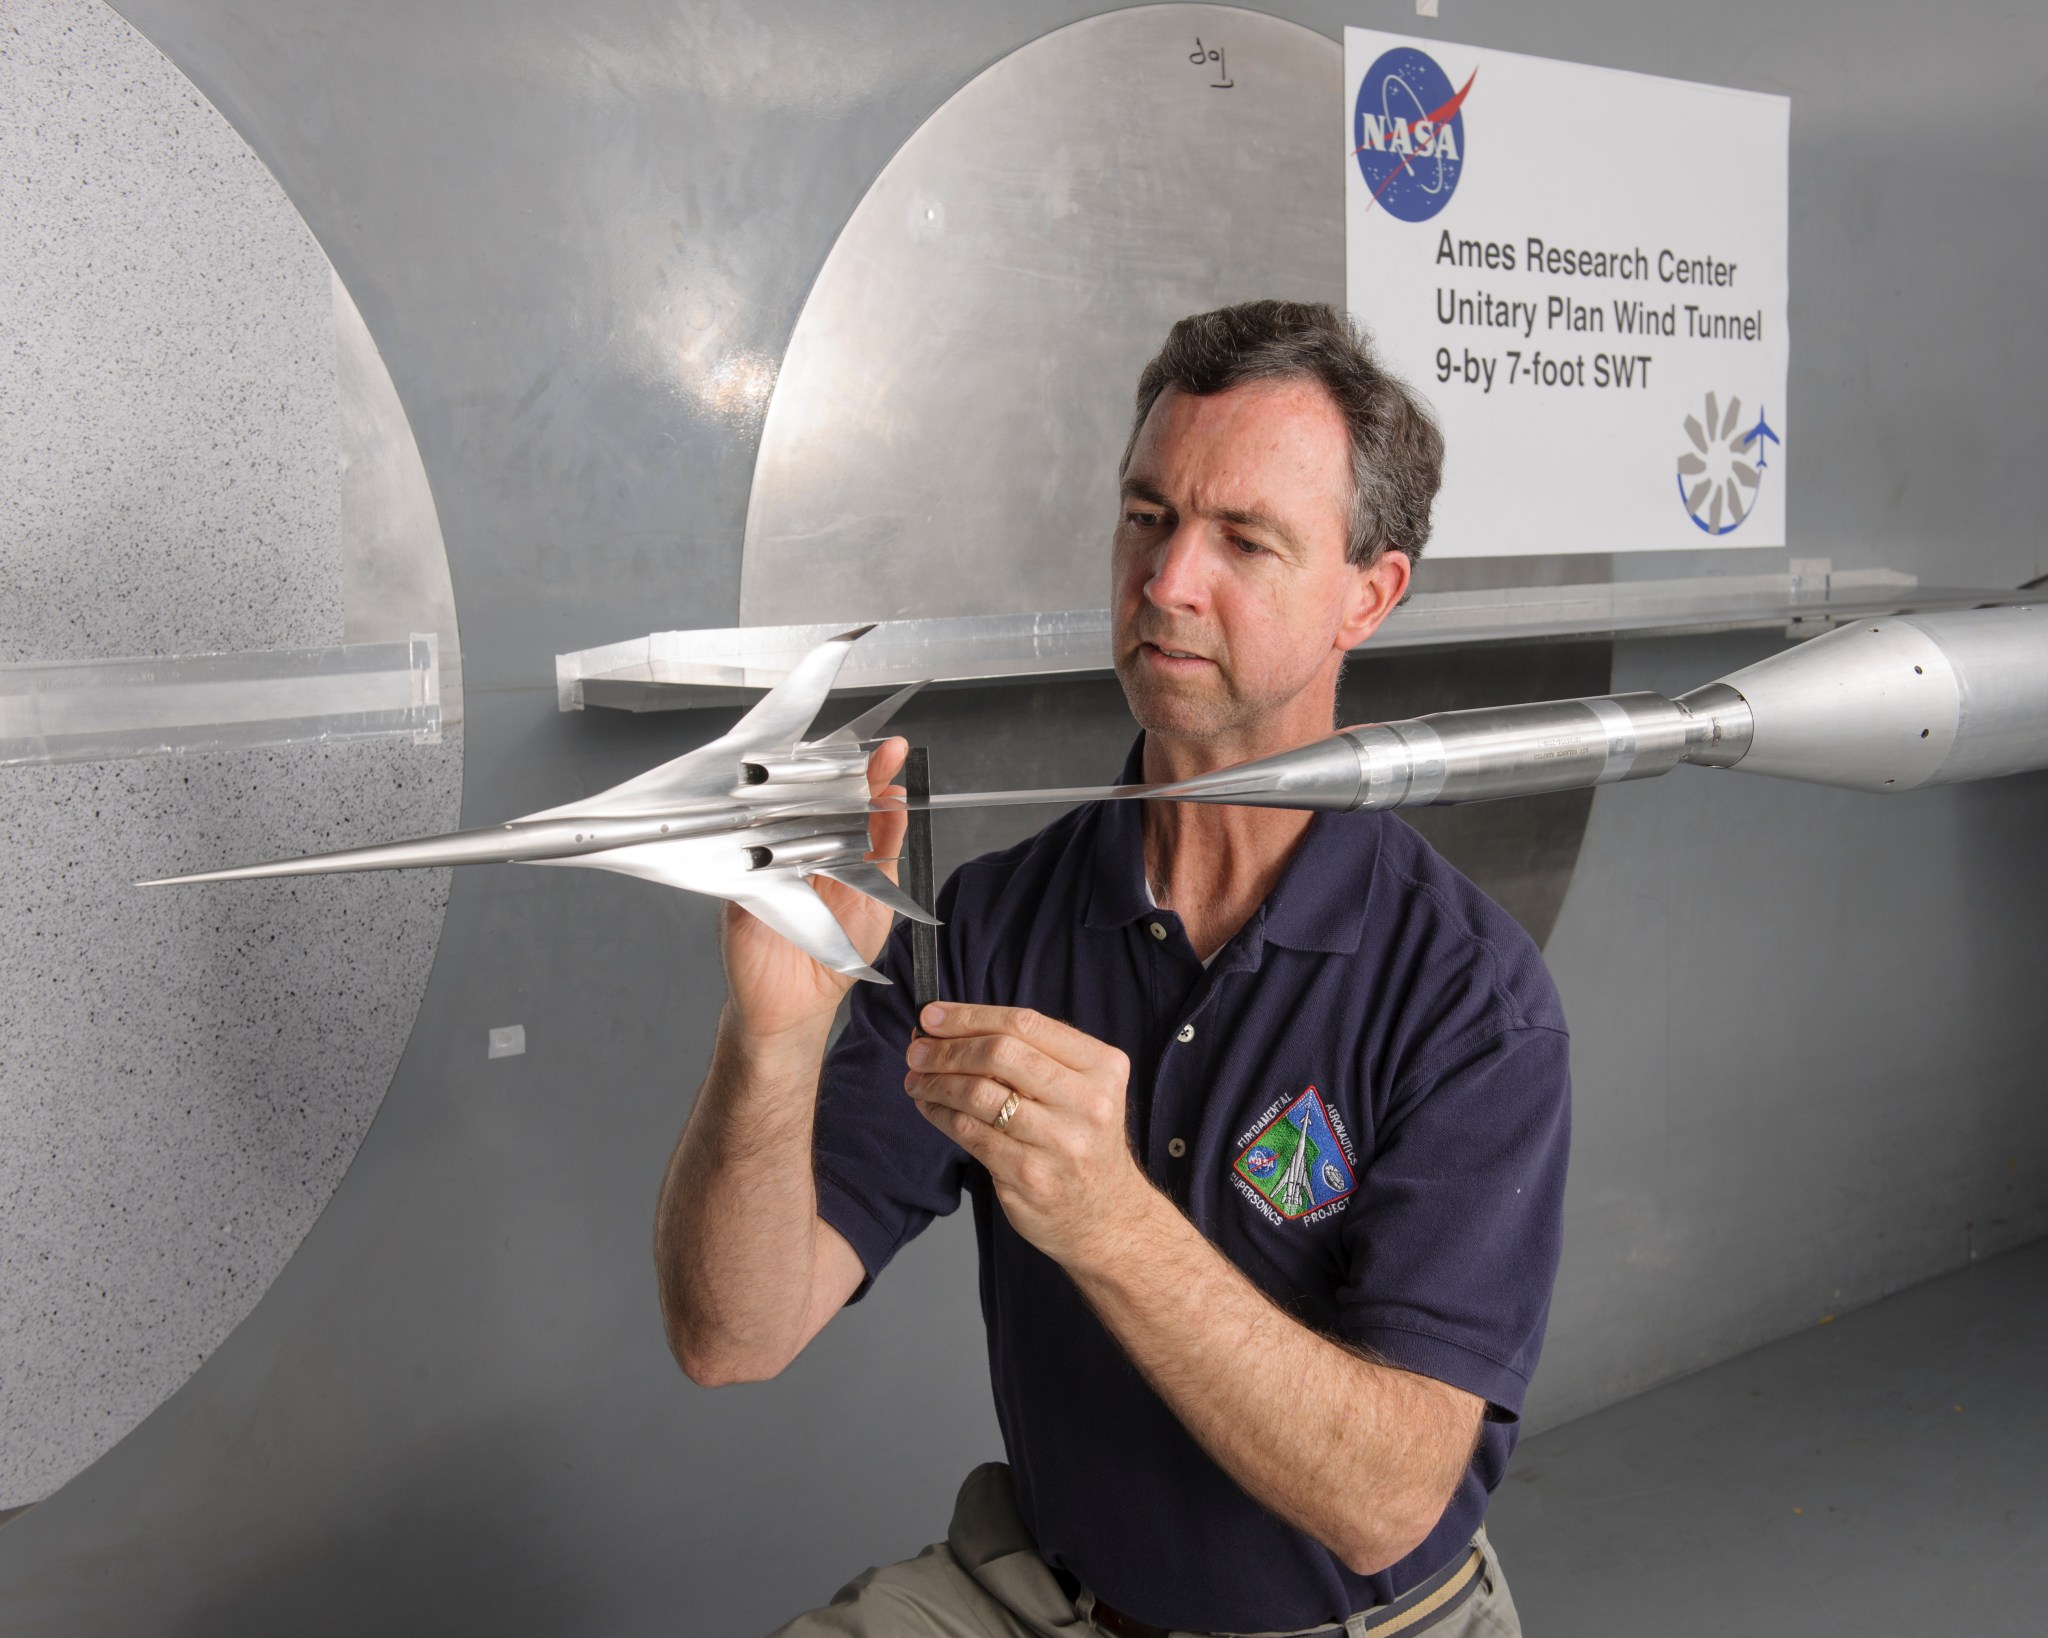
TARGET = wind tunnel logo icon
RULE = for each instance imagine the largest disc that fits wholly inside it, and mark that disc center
(1408, 133)
(1721, 468)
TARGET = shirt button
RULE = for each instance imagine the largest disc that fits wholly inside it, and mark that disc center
(1187, 1034)
(1177, 1147)
(1159, 929)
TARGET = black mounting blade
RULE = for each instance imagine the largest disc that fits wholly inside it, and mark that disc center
(920, 878)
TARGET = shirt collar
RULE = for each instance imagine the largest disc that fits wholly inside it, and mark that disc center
(1319, 903)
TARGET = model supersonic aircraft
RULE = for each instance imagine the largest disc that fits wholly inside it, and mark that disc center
(751, 817)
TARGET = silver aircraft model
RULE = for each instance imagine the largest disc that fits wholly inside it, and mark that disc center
(750, 817)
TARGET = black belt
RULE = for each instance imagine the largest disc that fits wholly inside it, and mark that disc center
(1418, 1609)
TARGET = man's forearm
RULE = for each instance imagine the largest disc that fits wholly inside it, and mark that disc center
(1361, 1456)
(735, 1231)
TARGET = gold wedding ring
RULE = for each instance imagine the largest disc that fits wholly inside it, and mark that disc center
(1002, 1121)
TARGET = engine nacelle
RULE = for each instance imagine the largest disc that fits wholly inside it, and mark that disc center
(841, 847)
(796, 770)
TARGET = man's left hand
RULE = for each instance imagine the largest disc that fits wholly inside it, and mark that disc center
(1063, 1168)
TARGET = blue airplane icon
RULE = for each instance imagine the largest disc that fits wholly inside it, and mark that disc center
(1762, 429)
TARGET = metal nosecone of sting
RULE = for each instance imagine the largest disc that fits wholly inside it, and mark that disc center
(1887, 704)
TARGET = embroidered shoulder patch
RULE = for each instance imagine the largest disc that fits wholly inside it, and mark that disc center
(1295, 1161)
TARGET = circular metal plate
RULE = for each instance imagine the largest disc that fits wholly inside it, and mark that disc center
(944, 432)
(184, 1075)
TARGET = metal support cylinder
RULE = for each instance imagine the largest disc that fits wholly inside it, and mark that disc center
(1518, 750)
(1883, 704)
(1465, 756)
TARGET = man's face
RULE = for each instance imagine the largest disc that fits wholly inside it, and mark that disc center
(1233, 602)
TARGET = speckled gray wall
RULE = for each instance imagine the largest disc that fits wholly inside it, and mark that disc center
(168, 402)
(183, 1077)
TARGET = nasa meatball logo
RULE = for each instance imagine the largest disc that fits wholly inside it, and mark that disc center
(1408, 133)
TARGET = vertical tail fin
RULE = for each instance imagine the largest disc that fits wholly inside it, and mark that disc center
(869, 724)
(774, 726)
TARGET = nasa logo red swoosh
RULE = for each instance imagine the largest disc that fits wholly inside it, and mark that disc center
(1436, 121)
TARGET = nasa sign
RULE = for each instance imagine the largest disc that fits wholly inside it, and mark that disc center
(1604, 343)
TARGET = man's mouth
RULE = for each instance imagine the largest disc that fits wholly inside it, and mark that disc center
(1173, 653)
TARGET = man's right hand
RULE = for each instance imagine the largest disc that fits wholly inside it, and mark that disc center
(748, 1271)
(777, 991)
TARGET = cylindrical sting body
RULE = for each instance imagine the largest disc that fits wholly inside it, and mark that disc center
(1517, 750)
(1474, 756)
(1884, 704)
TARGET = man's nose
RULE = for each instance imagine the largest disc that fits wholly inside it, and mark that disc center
(1180, 576)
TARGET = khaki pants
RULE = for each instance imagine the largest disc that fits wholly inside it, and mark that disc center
(986, 1580)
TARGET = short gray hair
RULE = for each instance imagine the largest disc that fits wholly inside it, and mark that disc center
(1397, 454)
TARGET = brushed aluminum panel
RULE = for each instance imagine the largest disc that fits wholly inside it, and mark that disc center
(944, 432)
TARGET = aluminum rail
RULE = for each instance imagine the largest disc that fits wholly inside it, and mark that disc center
(680, 670)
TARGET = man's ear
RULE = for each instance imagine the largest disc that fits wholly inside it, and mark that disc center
(1375, 593)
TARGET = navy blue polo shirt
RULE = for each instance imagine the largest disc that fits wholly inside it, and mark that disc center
(1362, 1102)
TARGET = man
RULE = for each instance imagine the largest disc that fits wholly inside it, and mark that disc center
(1263, 1114)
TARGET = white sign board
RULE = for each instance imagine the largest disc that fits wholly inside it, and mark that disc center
(1584, 272)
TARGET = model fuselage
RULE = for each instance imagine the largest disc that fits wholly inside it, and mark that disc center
(773, 823)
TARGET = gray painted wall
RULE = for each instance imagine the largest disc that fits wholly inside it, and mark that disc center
(1801, 1019)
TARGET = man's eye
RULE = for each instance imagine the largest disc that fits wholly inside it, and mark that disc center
(1142, 520)
(1247, 548)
